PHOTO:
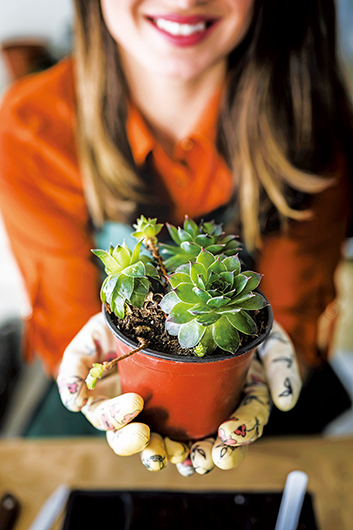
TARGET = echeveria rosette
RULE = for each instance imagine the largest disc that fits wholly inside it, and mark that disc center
(147, 229)
(209, 303)
(190, 239)
(127, 277)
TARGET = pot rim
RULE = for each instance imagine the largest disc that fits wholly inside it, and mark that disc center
(193, 359)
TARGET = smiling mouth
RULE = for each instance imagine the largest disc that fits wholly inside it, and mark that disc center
(183, 29)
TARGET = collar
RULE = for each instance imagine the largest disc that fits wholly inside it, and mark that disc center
(142, 141)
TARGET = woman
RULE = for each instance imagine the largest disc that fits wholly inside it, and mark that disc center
(214, 108)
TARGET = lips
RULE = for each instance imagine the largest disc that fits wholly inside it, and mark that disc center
(183, 30)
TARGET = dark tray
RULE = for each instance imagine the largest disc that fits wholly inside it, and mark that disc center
(175, 510)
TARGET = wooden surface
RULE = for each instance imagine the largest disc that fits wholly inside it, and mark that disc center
(32, 469)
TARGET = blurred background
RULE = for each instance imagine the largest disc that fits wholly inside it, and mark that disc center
(34, 34)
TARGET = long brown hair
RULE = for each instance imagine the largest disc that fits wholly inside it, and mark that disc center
(284, 118)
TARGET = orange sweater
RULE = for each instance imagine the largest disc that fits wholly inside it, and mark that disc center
(43, 206)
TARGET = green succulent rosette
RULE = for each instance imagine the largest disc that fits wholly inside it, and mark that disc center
(209, 303)
(127, 280)
(147, 229)
(190, 239)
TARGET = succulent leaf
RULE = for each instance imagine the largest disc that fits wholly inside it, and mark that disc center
(205, 258)
(122, 256)
(168, 302)
(184, 268)
(240, 299)
(186, 293)
(172, 327)
(173, 234)
(146, 228)
(209, 236)
(117, 305)
(215, 249)
(204, 240)
(190, 334)
(136, 253)
(201, 294)
(255, 302)
(151, 271)
(197, 271)
(190, 226)
(124, 286)
(240, 282)
(217, 266)
(109, 286)
(189, 248)
(218, 301)
(199, 309)
(184, 236)
(179, 277)
(127, 280)
(225, 335)
(200, 282)
(233, 264)
(135, 270)
(254, 280)
(212, 293)
(103, 288)
(207, 318)
(109, 262)
(242, 322)
(206, 344)
(180, 314)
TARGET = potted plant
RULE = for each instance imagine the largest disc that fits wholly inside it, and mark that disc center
(187, 321)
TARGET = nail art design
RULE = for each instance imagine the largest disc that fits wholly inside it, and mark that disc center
(288, 360)
(288, 388)
(274, 335)
(106, 422)
(159, 460)
(241, 430)
(250, 398)
(69, 391)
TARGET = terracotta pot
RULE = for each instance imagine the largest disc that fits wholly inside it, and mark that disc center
(186, 398)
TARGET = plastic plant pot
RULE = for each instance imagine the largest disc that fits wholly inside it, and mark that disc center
(186, 397)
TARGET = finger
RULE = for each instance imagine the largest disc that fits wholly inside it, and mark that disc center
(226, 456)
(282, 373)
(154, 456)
(185, 468)
(176, 451)
(94, 343)
(201, 456)
(129, 440)
(248, 420)
(112, 414)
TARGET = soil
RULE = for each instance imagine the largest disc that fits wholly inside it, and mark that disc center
(148, 323)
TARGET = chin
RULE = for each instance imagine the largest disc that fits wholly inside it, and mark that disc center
(178, 71)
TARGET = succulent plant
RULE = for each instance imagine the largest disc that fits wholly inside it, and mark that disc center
(128, 277)
(191, 238)
(209, 303)
(207, 296)
(147, 229)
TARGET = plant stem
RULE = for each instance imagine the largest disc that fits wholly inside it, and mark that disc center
(150, 245)
(143, 343)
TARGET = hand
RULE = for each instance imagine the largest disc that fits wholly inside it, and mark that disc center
(105, 407)
(273, 377)
(273, 371)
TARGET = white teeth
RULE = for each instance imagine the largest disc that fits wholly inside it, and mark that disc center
(174, 28)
